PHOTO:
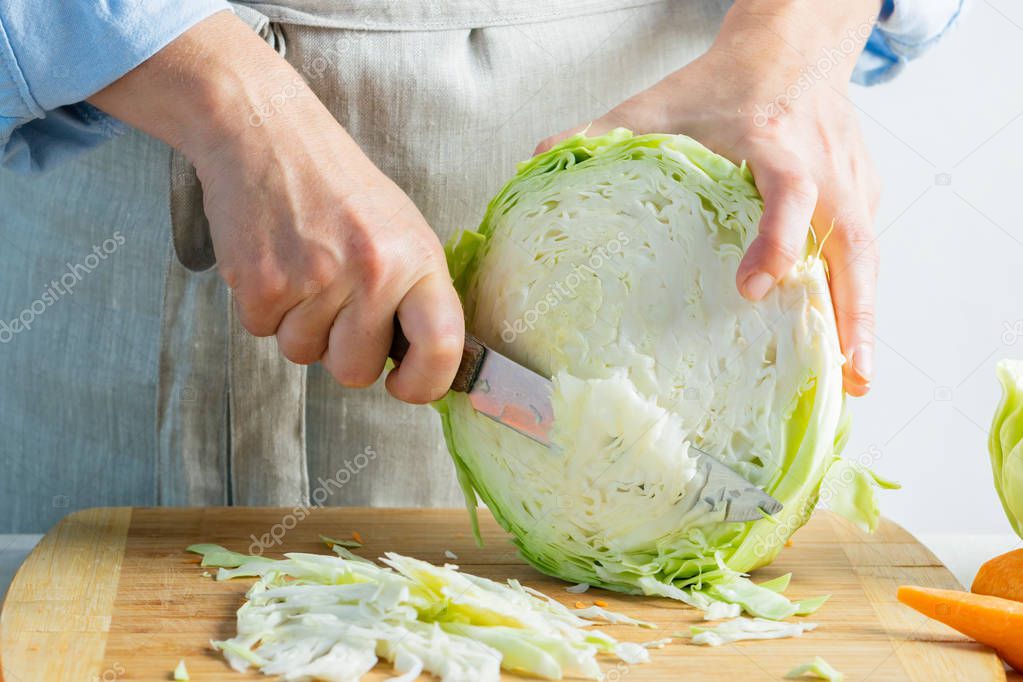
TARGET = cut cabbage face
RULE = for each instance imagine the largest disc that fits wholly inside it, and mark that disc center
(1006, 442)
(609, 264)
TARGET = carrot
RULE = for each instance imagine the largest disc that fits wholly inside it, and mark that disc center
(993, 621)
(1001, 576)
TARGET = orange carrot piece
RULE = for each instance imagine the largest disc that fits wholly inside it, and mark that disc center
(993, 621)
(357, 536)
(599, 602)
(1001, 576)
(580, 605)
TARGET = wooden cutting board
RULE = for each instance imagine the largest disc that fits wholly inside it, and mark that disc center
(109, 594)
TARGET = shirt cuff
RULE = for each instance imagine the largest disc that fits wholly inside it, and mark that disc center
(52, 58)
(905, 29)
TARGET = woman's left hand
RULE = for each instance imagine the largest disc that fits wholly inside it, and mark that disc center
(771, 91)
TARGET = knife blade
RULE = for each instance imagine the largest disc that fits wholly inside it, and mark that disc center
(519, 398)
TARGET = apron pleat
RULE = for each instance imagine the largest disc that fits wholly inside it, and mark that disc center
(192, 385)
(267, 417)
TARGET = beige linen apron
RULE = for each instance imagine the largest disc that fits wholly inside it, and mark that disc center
(445, 98)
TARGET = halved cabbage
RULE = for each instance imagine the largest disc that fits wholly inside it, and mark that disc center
(608, 263)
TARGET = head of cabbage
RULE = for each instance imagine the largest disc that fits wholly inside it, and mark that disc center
(608, 263)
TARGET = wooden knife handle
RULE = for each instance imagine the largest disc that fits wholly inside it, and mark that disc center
(472, 357)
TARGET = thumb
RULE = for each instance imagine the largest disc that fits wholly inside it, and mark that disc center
(790, 196)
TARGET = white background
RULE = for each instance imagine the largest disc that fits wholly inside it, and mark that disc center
(951, 287)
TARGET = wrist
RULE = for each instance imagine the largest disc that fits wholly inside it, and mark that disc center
(214, 86)
(794, 34)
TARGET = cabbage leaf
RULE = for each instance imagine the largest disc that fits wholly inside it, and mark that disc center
(1005, 443)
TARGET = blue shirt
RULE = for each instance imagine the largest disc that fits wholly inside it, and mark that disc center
(56, 53)
(904, 31)
(53, 55)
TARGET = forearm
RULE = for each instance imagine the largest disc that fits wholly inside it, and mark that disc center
(217, 84)
(796, 34)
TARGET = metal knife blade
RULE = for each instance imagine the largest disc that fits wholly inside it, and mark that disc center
(743, 501)
(519, 398)
(516, 396)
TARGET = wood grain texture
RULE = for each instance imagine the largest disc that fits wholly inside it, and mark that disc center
(63, 602)
(57, 612)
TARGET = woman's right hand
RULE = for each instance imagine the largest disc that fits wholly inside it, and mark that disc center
(319, 247)
(323, 250)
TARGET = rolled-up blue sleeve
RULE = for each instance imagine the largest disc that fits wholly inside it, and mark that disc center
(56, 53)
(905, 30)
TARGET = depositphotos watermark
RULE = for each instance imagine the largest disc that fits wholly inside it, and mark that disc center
(59, 288)
(275, 104)
(563, 289)
(319, 495)
(114, 672)
(812, 73)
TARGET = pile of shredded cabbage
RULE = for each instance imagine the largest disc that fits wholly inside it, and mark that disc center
(331, 618)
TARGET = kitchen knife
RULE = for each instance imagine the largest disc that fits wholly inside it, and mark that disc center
(520, 398)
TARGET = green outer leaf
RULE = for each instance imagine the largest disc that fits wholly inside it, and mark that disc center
(779, 584)
(755, 600)
(850, 491)
(805, 607)
(1005, 443)
(217, 556)
(465, 481)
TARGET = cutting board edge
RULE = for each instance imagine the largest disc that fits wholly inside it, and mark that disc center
(920, 668)
(112, 525)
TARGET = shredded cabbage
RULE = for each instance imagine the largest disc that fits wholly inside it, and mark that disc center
(1006, 442)
(739, 629)
(331, 618)
(602, 614)
(608, 264)
(818, 669)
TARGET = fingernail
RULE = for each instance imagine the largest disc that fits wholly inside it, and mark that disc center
(757, 285)
(863, 362)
